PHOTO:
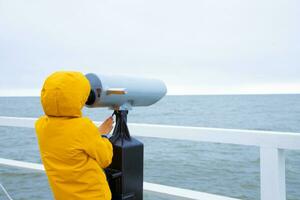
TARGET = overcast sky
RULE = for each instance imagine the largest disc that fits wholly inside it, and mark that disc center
(195, 46)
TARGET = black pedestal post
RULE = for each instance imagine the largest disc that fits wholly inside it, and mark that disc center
(125, 174)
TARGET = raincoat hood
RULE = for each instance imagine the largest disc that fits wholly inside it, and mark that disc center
(64, 94)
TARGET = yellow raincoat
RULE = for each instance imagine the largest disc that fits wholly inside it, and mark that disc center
(72, 150)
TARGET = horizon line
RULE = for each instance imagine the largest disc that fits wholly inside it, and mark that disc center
(199, 94)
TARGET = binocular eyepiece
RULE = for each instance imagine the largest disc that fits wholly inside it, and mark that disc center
(91, 99)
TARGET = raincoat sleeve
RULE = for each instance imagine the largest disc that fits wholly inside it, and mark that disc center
(95, 146)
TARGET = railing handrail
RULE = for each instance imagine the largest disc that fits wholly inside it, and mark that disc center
(270, 139)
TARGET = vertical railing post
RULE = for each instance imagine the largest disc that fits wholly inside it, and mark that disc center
(272, 174)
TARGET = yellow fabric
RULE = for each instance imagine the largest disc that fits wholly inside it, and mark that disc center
(72, 150)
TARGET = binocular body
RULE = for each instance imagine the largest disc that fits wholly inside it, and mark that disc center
(123, 92)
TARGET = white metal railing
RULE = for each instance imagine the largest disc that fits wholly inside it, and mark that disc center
(271, 144)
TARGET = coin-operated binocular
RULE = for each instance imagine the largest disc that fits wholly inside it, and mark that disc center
(121, 93)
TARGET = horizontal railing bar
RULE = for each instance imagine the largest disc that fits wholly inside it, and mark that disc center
(22, 164)
(280, 140)
(152, 187)
(179, 192)
(25, 122)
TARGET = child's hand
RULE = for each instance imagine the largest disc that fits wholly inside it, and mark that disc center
(106, 126)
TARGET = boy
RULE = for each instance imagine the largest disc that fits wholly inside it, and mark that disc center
(72, 150)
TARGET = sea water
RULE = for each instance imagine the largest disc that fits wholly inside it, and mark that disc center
(230, 170)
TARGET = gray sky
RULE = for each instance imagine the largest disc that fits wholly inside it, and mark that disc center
(195, 46)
